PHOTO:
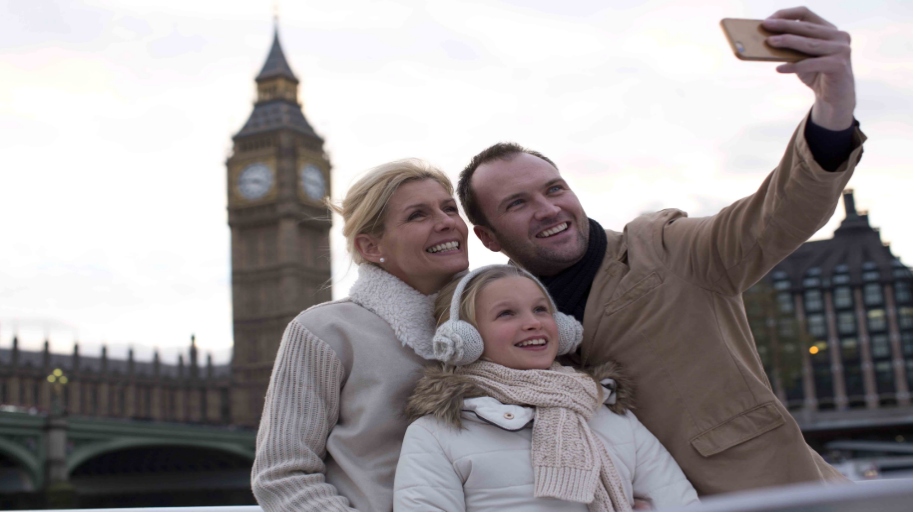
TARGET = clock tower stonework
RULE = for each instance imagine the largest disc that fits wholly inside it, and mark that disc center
(278, 176)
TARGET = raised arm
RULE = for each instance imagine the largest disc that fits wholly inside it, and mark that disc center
(301, 408)
(729, 252)
(426, 479)
(732, 250)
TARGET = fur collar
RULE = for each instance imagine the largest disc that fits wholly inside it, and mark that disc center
(407, 311)
(441, 392)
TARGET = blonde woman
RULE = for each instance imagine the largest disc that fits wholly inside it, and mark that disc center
(509, 429)
(333, 420)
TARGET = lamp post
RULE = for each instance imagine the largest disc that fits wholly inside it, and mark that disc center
(58, 381)
(59, 493)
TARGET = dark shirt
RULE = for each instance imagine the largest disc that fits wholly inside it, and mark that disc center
(829, 148)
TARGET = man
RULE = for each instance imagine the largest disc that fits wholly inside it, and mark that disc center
(663, 297)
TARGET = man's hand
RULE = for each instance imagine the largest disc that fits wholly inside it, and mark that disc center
(641, 505)
(828, 73)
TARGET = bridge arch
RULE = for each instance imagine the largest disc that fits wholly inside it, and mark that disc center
(24, 457)
(88, 452)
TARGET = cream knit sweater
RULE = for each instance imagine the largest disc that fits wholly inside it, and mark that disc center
(333, 421)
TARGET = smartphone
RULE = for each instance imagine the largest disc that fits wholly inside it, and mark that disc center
(748, 41)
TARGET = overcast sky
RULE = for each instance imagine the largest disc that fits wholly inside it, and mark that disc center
(116, 118)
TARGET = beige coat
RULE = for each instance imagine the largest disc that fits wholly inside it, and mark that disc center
(333, 418)
(667, 305)
(469, 452)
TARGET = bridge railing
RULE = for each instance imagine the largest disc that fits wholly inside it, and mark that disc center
(874, 495)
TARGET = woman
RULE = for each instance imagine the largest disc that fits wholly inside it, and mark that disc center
(333, 420)
(509, 429)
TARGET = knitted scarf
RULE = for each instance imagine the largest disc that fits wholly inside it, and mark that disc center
(570, 462)
(570, 288)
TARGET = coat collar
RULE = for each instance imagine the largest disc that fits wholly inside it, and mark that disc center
(511, 417)
(407, 311)
(449, 397)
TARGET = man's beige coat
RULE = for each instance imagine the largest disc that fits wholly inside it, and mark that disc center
(667, 304)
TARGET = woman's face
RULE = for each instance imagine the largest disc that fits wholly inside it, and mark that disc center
(518, 329)
(425, 239)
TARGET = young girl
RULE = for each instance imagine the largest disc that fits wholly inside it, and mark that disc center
(515, 430)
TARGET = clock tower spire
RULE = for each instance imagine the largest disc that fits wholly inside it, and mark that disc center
(278, 176)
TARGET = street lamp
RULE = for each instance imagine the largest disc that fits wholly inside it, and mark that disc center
(58, 380)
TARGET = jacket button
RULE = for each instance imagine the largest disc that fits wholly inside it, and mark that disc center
(509, 416)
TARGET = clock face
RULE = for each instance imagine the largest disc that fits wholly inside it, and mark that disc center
(312, 182)
(255, 181)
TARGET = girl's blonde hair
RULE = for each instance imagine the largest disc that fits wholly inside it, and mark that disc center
(467, 311)
(365, 205)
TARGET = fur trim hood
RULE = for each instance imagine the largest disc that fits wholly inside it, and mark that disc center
(441, 392)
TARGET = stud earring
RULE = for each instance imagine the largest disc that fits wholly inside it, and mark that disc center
(382, 260)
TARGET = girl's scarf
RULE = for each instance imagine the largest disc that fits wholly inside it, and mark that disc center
(569, 460)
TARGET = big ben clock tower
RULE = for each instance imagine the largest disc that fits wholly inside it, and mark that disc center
(278, 176)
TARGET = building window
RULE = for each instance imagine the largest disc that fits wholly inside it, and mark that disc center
(849, 349)
(840, 279)
(873, 294)
(786, 328)
(876, 320)
(905, 318)
(785, 303)
(907, 346)
(822, 380)
(908, 368)
(903, 291)
(873, 275)
(880, 347)
(811, 281)
(813, 300)
(816, 326)
(884, 373)
(781, 285)
(854, 384)
(842, 298)
(845, 322)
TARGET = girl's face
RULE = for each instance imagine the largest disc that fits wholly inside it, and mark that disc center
(519, 331)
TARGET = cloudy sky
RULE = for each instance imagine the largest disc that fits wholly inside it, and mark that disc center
(116, 119)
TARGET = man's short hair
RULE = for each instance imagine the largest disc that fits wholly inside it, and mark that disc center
(504, 151)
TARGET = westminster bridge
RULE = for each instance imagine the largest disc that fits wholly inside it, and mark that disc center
(89, 462)
(59, 461)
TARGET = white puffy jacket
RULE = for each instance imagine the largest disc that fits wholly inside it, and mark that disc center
(486, 464)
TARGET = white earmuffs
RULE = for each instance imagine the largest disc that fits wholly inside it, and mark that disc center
(457, 342)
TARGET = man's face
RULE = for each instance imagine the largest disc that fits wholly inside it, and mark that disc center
(534, 218)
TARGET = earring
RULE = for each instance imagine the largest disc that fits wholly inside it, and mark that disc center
(382, 260)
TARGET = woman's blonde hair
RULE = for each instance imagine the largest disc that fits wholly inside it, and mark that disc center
(364, 207)
(467, 311)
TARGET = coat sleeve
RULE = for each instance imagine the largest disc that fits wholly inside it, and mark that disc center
(657, 476)
(301, 407)
(732, 250)
(425, 478)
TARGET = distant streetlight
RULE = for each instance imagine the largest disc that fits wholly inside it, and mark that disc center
(58, 380)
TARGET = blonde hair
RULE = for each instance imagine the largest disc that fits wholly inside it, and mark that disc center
(365, 205)
(467, 311)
